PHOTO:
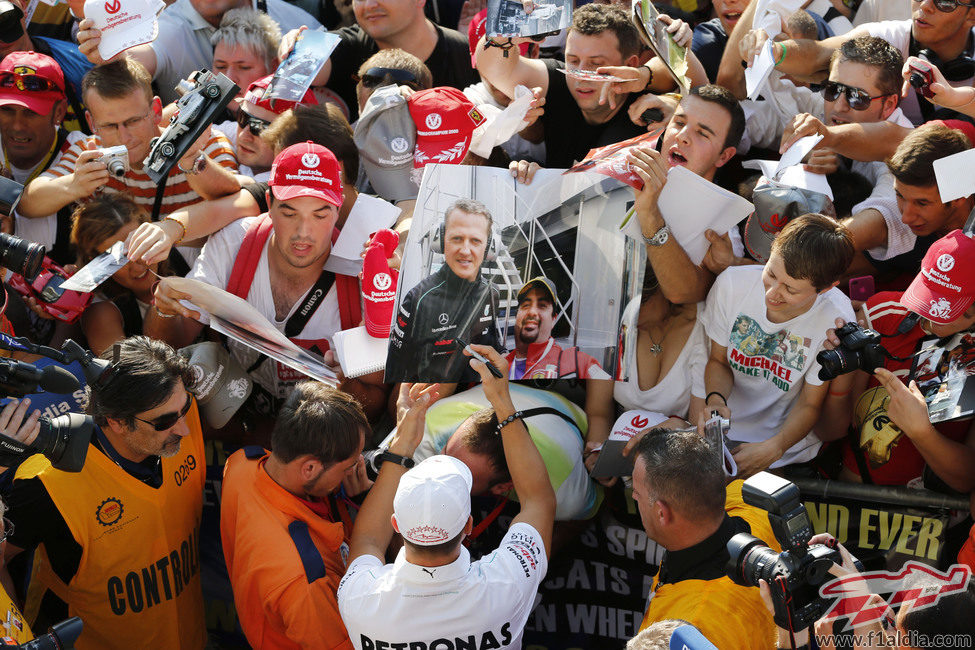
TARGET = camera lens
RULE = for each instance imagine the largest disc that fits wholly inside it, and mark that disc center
(750, 560)
(64, 440)
(20, 256)
(917, 80)
(837, 362)
(116, 168)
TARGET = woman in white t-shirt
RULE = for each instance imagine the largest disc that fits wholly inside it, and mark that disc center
(766, 326)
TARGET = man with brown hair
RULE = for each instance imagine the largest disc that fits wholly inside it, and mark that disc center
(284, 533)
(575, 120)
(766, 326)
(123, 111)
(918, 199)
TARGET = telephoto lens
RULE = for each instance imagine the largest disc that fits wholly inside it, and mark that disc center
(21, 257)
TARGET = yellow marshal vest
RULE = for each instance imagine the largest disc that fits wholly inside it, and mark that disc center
(138, 581)
(12, 625)
(730, 616)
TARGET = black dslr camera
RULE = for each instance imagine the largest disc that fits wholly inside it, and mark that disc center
(859, 349)
(794, 575)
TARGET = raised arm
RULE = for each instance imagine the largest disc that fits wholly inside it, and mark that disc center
(506, 72)
(866, 142)
(151, 242)
(525, 464)
(681, 280)
(47, 194)
(373, 529)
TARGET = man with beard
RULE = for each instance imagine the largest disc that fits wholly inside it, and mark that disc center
(132, 512)
(536, 354)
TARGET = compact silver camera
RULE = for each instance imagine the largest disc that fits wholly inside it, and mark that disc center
(116, 159)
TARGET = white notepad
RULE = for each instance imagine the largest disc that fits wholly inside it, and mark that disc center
(358, 352)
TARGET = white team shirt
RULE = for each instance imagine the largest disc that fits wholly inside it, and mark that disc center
(483, 604)
(771, 362)
(214, 265)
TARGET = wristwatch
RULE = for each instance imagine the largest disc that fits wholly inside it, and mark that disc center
(199, 164)
(659, 238)
(389, 456)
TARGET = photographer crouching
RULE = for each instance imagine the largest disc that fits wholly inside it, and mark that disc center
(119, 537)
(937, 304)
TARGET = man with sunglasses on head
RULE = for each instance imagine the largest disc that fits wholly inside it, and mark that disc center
(123, 111)
(940, 31)
(32, 109)
(117, 542)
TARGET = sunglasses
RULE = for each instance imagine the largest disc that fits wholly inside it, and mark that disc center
(374, 77)
(255, 124)
(169, 420)
(947, 6)
(27, 82)
(857, 98)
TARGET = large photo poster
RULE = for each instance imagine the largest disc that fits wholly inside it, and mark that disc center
(541, 272)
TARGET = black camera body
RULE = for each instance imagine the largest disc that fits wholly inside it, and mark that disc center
(794, 575)
(859, 349)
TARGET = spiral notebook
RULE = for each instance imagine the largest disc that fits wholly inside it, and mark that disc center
(359, 353)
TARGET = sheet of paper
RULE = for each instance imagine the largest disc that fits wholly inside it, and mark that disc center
(501, 126)
(98, 270)
(954, 175)
(690, 205)
(238, 319)
(759, 70)
(796, 176)
(375, 214)
(798, 151)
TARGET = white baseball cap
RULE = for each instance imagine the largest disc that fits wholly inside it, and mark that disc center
(433, 501)
(123, 23)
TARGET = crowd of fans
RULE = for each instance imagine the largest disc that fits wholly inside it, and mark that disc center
(226, 500)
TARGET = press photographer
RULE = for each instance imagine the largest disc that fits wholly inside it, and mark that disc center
(894, 438)
(793, 576)
(141, 482)
(679, 489)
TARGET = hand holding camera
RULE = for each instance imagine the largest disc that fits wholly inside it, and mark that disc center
(90, 173)
(929, 82)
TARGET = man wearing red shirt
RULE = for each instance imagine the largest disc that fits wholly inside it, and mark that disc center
(536, 354)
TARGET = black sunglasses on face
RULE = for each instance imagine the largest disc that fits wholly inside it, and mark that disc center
(947, 6)
(374, 77)
(255, 124)
(169, 420)
(857, 98)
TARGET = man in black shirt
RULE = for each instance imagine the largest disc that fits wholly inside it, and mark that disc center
(575, 121)
(384, 24)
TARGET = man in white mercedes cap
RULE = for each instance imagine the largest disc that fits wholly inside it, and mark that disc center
(433, 595)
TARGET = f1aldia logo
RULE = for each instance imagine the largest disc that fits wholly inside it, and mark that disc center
(639, 422)
(310, 160)
(433, 121)
(109, 511)
(113, 7)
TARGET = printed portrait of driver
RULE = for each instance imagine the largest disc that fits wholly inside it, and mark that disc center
(450, 308)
